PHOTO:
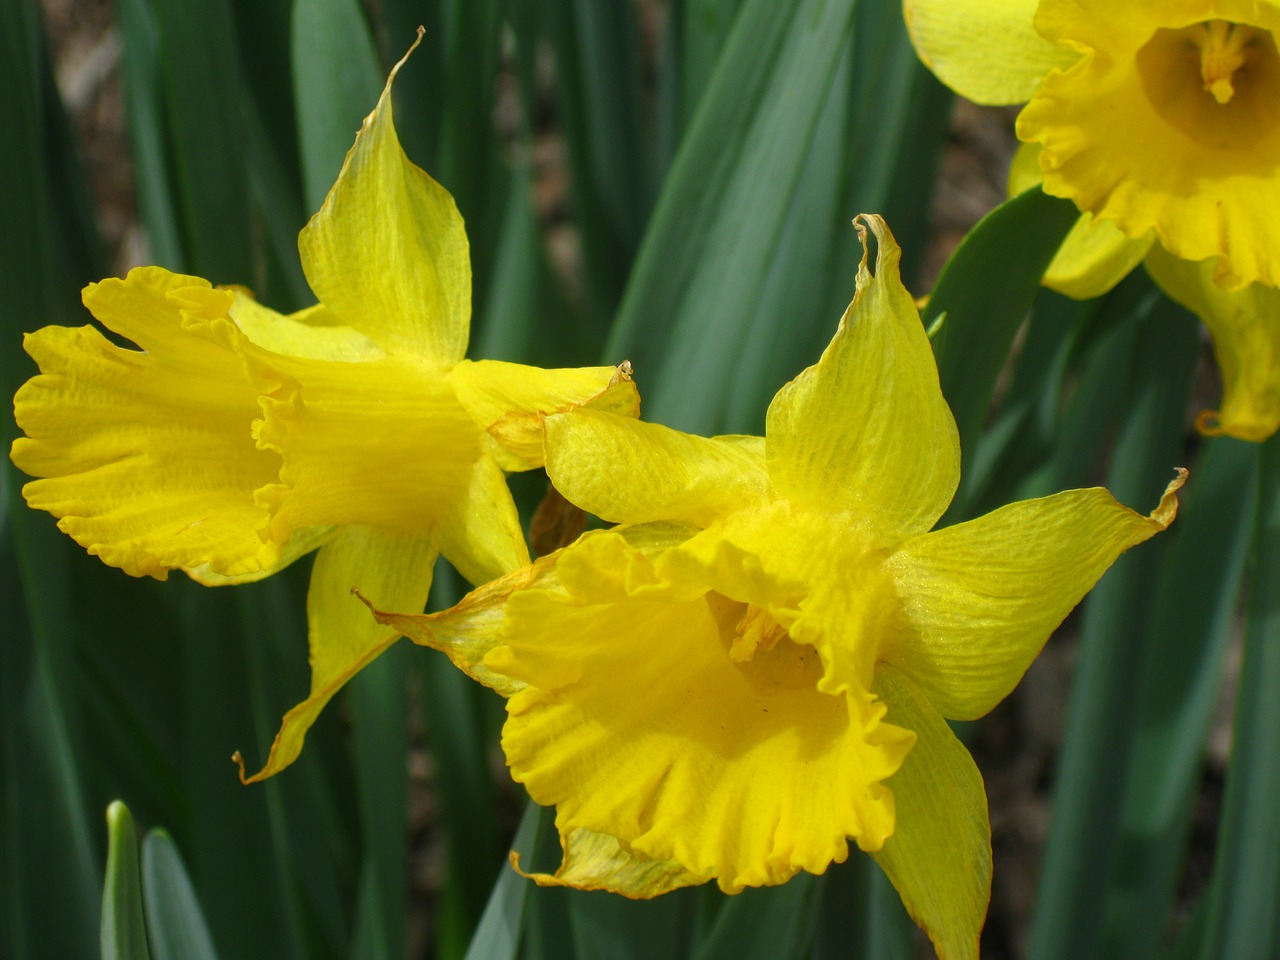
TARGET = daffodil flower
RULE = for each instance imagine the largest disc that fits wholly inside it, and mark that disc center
(754, 667)
(1161, 121)
(235, 439)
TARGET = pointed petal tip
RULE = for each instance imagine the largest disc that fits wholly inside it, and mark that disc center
(1167, 509)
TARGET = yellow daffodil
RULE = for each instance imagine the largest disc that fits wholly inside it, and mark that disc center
(234, 439)
(1160, 117)
(754, 667)
(1244, 324)
(1161, 121)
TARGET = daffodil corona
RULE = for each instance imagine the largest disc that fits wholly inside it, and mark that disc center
(755, 665)
(234, 439)
(1161, 121)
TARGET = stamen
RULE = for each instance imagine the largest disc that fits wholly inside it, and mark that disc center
(1222, 53)
(757, 632)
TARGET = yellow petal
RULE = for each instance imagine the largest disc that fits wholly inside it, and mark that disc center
(343, 638)
(468, 631)
(1133, 134)
(479, 531)
(981, 598)
(741, 771)
(628, 471)
(387, 254)
(866, 431)
(383, 443)
(511, 400)
(1094, 256)
(986, 50)
(313, 332)
(1245, 325)
(146, 455)
(596, 861)
(298, 545)
(939, 857)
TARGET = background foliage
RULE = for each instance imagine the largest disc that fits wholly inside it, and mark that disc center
(706, 157)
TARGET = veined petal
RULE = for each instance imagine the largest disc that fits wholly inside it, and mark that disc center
(511, 400)
(479, 532)
(298, 545)
(628, 471)
(939, 857)
(1094, 256)
(596, 861)
(1133, 135)
(468, 631)
(741, 771)
(146, 456)
(986, 50)
(866, 431)
(383, 443)
(391, 570)
(1245, 325)
(387, 253)
(313, 332)
(981, 598)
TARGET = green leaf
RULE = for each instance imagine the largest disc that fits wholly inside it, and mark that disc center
(1244, 895)
(498, 935)
(175, 924)
(1188, 636)
(1101, 725)
(771, 923)
(985, 291)
(124, 933)
(721, 219)
(336, 82)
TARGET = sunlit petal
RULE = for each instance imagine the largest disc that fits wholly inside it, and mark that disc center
(866, 430)
(981, 598)
(1245, 325)
(390, 570)
(387, 254)
(146, 455)
(985, 50)
(668, 475)
(939, 857)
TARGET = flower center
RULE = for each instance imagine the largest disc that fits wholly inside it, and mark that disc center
(1218, 82)
(1224, 47)
(757, 632)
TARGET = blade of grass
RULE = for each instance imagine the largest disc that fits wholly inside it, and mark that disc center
(498, 934)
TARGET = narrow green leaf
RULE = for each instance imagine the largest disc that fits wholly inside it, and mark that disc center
(498, 935)
(1188, 636)
(1101, 720)
(1244, 895)
(379, 704)
(175, 923)
(720, 219)
(124, 933)
(331, 100)
(985, 291)
(598, 85)
(199, 75)
(771, 923)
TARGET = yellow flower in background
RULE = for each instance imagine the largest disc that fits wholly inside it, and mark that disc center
(755, 666)
(1160, 117)
(1161, 121)
(235, 439)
